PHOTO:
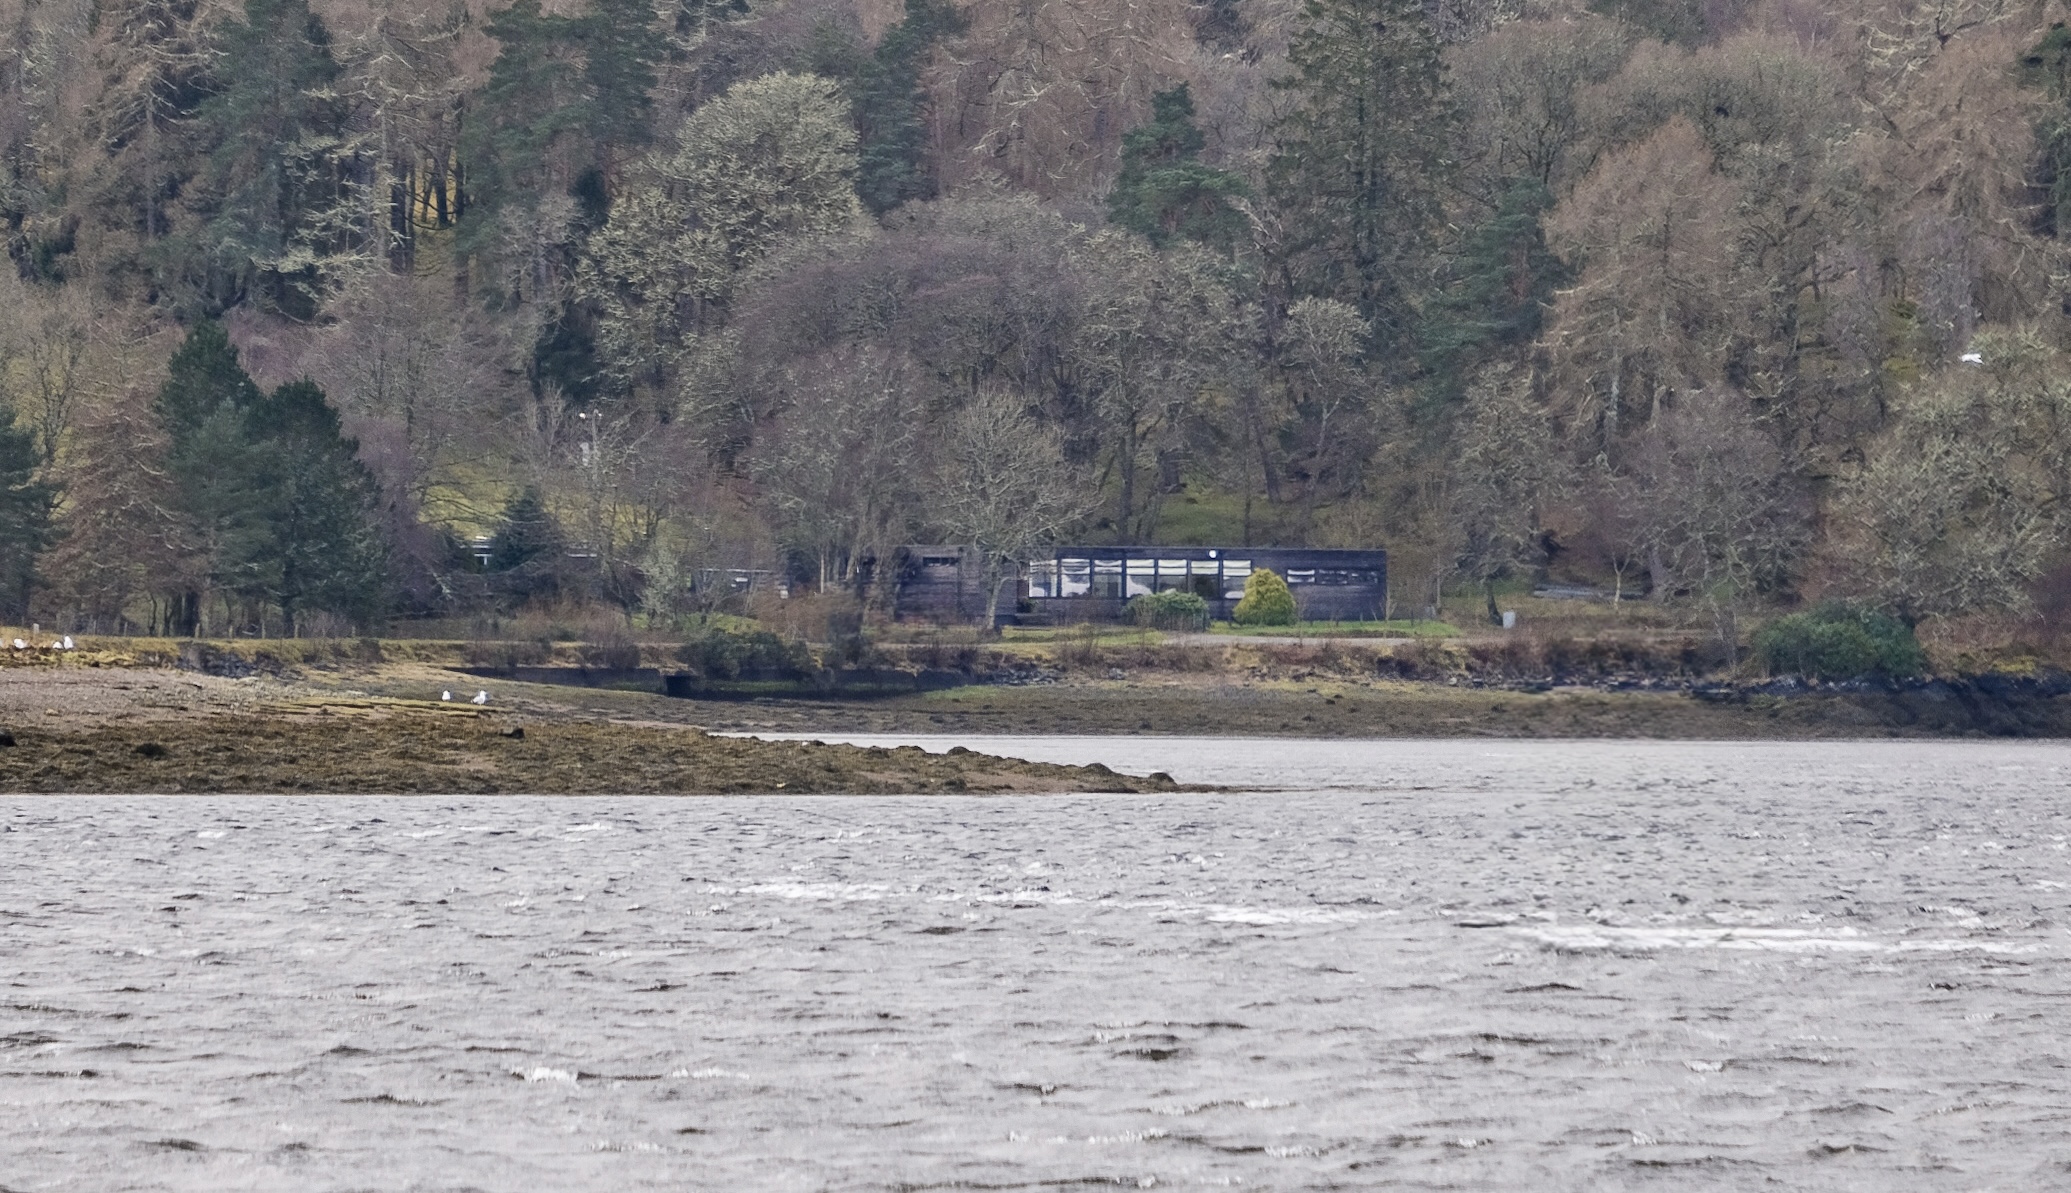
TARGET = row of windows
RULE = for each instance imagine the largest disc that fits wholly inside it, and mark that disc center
(1120, 579)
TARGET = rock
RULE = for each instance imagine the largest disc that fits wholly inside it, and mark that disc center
(515, 733)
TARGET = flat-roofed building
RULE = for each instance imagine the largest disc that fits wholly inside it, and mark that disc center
(1081, 583)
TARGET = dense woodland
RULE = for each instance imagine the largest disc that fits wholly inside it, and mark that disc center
(1727, 304)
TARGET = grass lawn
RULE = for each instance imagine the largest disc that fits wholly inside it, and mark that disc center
(1399, 628)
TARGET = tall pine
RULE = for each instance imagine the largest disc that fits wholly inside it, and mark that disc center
(567, 97)
(1163, 191)
(204, 376)
(512, 124)
(1495, 293)
(276, 508)
(313, 542)
(275, 199)
(25, 510)
(891, 106)
(1360, 161)
(202, 407)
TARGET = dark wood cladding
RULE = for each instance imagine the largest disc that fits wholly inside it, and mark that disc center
(943, 583)
(1087, 583)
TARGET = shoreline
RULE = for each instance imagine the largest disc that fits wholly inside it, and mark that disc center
(115, 724)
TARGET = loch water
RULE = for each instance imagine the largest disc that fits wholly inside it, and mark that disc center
(1414, 965)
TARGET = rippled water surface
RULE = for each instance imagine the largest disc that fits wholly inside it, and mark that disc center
(1422, 965)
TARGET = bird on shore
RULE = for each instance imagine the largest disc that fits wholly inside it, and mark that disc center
(445, 695)
(20, 645)
(480, 698)
(68, 643)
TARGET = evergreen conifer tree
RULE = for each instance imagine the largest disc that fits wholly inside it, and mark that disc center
(1361, 158)
(525, 532)
(620, 48)
(2047, 65)
(275, 195)
(313, 542)
(276, 505)
(202, 407)
(528, 102)
(1496, 292)
(204, 376)
(25, 512)
(572, 92)
(528, 546)
(1162, 191)
(890, 103)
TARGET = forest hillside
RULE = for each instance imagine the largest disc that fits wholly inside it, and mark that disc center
(324, 313)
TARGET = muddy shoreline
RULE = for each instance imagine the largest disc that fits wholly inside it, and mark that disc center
(376, 723)
(386, 730)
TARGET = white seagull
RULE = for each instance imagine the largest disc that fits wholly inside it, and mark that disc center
(1972, 358)
(480, 698)
(20, 645)
(68, 643)
(445, 695)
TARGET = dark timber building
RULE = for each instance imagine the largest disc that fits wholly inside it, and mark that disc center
(1076, 584)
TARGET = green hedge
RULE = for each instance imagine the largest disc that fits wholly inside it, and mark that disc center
(1170, 610)
(1267, 601)
(1839, 642)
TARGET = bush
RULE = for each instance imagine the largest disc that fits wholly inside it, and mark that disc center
(1267, 601)
(1170, 610)
(719, 654)
(1839, 642)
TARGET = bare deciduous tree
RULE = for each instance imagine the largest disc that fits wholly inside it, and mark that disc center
(1717, 509)
(1508, 468)
(1003, 485)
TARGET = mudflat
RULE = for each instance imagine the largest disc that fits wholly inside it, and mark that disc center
(143, 730)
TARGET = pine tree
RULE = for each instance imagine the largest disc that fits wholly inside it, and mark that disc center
(210, 465)
(277, 507)
(312, 541)
(566, 97)
(529, 550)
(890, 105)
(25, 510)
(203, 377)
(525, 532)
(1496, 292)
(1361, 159)
(528, 103)
(276, 198)
(1163, 192)
(620, 48)
(2048, 66)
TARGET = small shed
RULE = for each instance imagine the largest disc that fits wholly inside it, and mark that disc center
(945, 584)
